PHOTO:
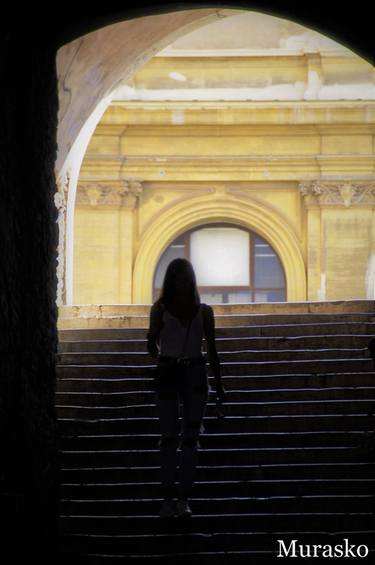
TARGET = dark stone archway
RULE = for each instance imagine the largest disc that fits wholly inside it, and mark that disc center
(28, 239)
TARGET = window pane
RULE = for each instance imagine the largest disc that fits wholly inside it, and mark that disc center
(267, 266)
(220, 256)
(211, 297)
(240, 296)
(173, 252)
(269, 296)
(180, 240)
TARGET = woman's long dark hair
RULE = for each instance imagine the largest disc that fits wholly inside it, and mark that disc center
(180, 304)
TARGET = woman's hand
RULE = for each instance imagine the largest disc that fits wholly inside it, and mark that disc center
(219, 396)
(220, 392)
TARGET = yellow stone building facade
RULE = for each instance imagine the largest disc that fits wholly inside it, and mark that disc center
(277, 139)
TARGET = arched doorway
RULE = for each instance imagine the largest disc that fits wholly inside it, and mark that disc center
(232, 265)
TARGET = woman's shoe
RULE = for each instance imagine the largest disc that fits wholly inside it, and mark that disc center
(183, 509)
(167, 509)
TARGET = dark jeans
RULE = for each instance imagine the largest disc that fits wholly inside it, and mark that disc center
(192, 391)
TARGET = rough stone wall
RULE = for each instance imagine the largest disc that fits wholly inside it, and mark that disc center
(28, 239)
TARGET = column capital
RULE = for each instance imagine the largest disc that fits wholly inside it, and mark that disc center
(344, 193)
(114, 193)
(133, 189)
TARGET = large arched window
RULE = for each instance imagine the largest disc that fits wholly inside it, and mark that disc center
(232, 264)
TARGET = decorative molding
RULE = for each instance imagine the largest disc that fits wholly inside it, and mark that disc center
(61, 199)
(118, 194)
(338, 193)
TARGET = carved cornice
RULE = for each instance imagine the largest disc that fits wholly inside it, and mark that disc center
(117, 194)
(338, 193)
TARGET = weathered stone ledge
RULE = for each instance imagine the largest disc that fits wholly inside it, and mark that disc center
(137, 315)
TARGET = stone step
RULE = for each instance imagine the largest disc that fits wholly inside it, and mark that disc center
(221, 320)
(255, 330)
(228, 368)
(345, 341)
(275, 471)
(287, 408)
(223, 505)
(216, 548)
(140, 385)
(224, 440)
(324, 306)
(257, 522)
(142, 397)
(230, 424)
(298, 431)
(257, 488)
(143, 358)
(243, 456)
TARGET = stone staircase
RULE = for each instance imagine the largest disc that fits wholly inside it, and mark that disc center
(293, 457)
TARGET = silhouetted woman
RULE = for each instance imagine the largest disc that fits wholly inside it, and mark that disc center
(178, 322)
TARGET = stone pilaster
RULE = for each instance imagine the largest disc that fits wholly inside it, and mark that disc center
(127, 228)
(315, 270)
(116, 202)
(339, 225)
